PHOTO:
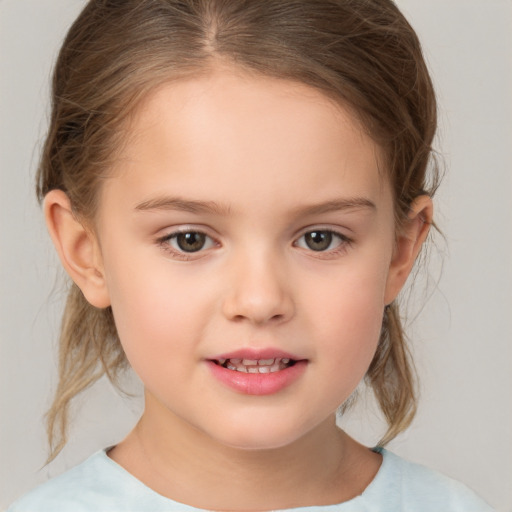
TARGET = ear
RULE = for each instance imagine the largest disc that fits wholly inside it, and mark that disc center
(77, 247)
(408, 245)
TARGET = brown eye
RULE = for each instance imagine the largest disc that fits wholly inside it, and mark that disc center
(318, 240)
(190, 241)
(187, 244)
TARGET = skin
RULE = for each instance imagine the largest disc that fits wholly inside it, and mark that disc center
(264, 161)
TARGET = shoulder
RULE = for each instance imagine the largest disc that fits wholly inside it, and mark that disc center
(410, 486)
(72, 487)
(99, 485)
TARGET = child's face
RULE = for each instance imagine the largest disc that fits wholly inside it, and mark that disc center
(289, 254)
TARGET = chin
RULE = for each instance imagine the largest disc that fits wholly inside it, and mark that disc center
(258, 437)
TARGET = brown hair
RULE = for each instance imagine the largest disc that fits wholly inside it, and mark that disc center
(363, 53)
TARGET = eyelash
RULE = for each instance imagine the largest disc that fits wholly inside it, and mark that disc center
(165, 243)
(343, 244)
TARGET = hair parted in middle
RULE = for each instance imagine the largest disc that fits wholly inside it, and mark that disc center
(361, 53)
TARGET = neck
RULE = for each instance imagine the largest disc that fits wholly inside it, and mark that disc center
(323, 467)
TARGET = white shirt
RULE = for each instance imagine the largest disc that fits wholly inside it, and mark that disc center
(99, 484)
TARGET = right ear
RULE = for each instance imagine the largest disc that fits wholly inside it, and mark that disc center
(77, 247)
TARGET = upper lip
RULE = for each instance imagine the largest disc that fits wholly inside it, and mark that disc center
(256, 354)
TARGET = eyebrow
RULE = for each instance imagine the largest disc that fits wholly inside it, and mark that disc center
(335, 205)
(212, 207)
(186, 205)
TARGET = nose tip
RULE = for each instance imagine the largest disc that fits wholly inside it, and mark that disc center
(259, 295)
(256, 314)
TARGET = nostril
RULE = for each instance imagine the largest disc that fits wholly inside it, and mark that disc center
(258, 319)
(258, 305)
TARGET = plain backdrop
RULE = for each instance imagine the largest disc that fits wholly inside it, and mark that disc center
(462, 337)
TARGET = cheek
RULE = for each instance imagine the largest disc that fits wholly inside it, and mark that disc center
(354, 324)
(157, 314)
(350, 320)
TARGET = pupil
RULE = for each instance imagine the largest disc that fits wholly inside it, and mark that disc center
(318, 240)
(190, 242)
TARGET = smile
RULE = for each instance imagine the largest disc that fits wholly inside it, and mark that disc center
(256, 365)
(257, 372)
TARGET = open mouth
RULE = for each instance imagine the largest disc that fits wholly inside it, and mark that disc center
(257, 372)
(256, 365)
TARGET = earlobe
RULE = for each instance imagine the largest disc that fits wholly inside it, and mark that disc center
(408, 245)
(77, 247)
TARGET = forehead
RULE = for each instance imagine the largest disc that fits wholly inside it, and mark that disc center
(240, 131)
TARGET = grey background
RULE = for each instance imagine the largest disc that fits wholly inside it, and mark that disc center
(462, 338)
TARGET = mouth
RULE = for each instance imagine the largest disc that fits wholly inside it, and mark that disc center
(255, 365)
(257, 372)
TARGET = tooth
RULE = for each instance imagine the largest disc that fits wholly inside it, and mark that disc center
(275, 368)
(236, 361)
(231, 366)
(249, 362)
(265, 361)
(285, 360)
(264, 369)
(252, 370)
(242, 369)
(221, 361)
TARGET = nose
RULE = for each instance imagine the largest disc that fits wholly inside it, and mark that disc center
(259, 291)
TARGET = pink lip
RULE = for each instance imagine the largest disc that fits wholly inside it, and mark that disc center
(257, 383)
(256, 353)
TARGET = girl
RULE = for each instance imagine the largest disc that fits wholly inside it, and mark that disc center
(239, 191)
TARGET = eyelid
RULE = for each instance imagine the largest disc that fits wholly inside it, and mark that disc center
(344, 241)
(171, 233)
(163, 241)
(341, 232)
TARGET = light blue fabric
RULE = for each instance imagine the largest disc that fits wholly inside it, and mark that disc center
(101, 485)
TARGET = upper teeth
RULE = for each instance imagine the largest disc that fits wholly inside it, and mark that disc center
(255, 365)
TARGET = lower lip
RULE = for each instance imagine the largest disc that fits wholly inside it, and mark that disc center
(258, 383)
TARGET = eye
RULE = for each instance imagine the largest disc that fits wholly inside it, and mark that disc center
(320, 240)
(188, 241)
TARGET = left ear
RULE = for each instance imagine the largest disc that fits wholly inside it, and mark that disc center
(408, 245)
